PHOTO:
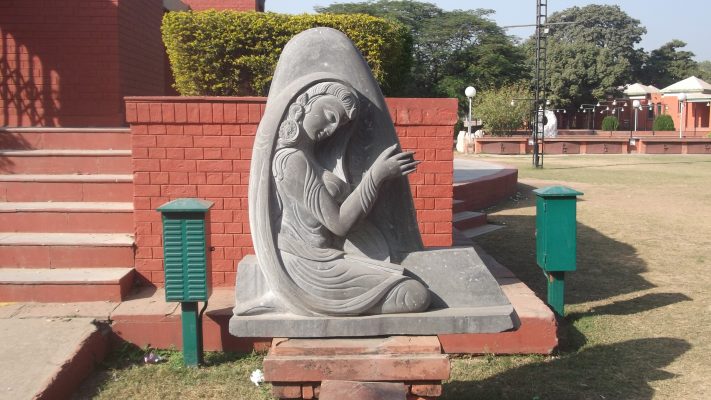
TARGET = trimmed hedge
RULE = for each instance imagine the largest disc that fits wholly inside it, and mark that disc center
(663, 122)
(610, 123)
(228, 53)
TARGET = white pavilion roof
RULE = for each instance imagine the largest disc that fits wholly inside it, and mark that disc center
(691, 84)
(638, 89)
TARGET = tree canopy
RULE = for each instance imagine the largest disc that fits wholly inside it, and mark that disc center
(668, 64)
(593, 55)
(451, 49)
(705, 71)
(505, 109)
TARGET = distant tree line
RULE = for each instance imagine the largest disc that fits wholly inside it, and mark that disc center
(589, 59)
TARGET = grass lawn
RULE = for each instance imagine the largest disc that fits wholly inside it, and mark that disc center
(638, 315)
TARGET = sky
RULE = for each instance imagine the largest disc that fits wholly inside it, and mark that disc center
(687, 20)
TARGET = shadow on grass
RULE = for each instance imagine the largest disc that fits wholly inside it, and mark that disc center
(616, 371)
(605, 267)
(570, 339)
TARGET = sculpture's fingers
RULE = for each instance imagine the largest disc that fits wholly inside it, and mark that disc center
(408, 172)
(387, 153)
(411, 165)
(405, 154)
(392, 149)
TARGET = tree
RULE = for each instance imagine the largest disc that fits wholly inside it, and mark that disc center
(705, 71)
(451, 49)
(668, 64)
(505, 109)
(593, 55)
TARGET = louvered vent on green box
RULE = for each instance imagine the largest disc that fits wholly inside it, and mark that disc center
(185, 250)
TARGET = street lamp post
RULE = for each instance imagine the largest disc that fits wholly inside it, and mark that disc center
(590, 107)
(636, 105)
(682, 99)
(470, 92)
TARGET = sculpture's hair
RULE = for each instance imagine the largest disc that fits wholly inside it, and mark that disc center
(289, 130)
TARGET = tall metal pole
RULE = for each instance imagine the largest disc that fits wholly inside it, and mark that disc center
(469, 131)
(540, 83)
(682, 99)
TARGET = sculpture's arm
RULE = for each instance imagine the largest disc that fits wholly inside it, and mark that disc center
(340, 219)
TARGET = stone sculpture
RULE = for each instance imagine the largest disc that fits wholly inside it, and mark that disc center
(550, 130)
(331, 212)
(312, 200)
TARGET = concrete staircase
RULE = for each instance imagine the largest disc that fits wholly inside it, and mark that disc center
(66, 214)
(471, 224)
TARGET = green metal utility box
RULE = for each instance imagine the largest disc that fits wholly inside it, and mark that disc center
(556, 238)
(185, 250)
(185, 260)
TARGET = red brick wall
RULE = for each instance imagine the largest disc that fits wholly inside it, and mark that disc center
(238, 5)
(141, 51)
(59, 63)
(69, 63)
(201, 147)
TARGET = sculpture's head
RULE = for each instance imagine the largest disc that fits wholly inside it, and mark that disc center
(318, 113)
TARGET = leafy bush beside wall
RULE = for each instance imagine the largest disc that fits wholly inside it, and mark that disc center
(610, 123)
(228, 53)
(663, 122)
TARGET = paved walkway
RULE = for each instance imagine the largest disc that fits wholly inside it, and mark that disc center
(466, 169)
(35, 352)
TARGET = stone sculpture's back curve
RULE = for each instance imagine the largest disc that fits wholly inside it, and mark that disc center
(316, 55)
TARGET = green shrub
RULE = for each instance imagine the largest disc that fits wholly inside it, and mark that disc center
(663, 122)
(610, 123)
(228, 53)
(496, 110)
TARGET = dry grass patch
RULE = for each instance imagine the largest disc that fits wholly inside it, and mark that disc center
(637, 323)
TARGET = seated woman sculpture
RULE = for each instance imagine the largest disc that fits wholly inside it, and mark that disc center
(317, 210)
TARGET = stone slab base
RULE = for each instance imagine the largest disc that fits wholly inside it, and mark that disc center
(537, 333)
(146, 319)
(413, 366)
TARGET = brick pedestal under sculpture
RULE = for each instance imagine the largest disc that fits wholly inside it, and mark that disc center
(297, 367)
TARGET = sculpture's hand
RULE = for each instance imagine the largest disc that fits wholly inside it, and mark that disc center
(391, 164)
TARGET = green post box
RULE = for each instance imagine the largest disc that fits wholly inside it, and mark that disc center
(556, 238)
(187, 279)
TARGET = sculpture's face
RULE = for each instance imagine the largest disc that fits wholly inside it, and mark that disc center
(326, 115)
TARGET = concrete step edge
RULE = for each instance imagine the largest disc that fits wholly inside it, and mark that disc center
(66, 178)
(480, 230)
(66, 239)
(465, 215)
(65, 153)
(62, 276)
(76, 206)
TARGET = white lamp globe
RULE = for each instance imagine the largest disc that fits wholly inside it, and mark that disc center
(635, 103)
(682, 97)
(470, 91)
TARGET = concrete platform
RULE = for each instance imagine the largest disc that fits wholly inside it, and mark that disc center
(146, 319)
(481, 184)
(47, 358)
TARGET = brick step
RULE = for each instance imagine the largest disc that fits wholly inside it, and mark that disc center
(468, 219)
(66, 187)
(65, 138)
(65, 161)
(89, 217)
(65, 285)
(459, 206)
(65, 250)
